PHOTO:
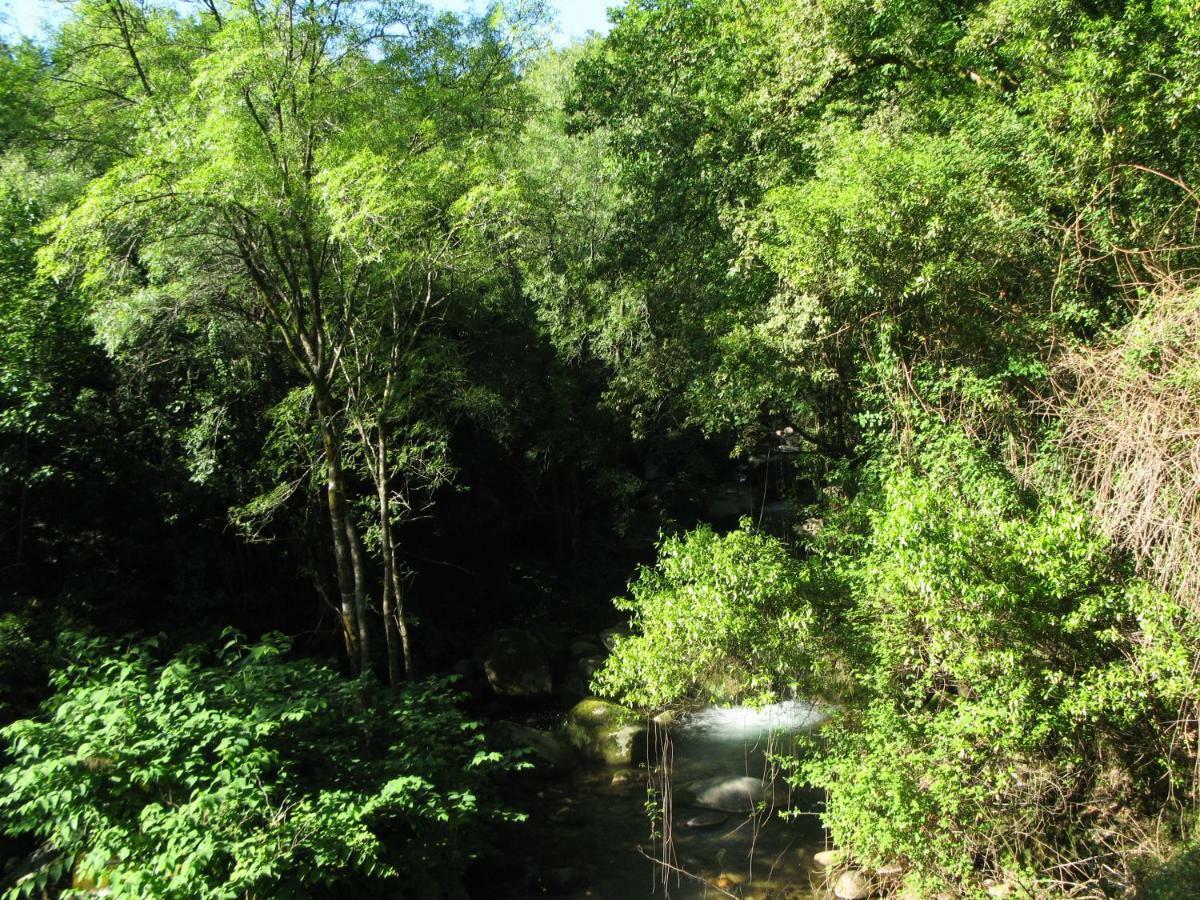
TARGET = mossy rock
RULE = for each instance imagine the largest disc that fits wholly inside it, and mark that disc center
(606, 733)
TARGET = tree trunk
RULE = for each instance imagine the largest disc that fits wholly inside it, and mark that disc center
(395, 622)
(359, 562)
(338, 520)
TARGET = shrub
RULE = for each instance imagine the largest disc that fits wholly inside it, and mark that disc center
(245, 774)
(1015, 682)
(1022, 683)
(719, 616)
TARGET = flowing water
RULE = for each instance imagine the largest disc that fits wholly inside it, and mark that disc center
(589, 835)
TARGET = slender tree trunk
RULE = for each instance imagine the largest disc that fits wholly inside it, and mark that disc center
(359, 562)
(401, 620)
(390, 638)
(338, 520)
(395, 622)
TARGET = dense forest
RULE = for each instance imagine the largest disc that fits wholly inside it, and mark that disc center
(401, 416)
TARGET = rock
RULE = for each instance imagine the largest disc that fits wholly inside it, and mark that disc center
(516, 665)
(891, 870)
(829, 859)
(852, 884)
(606, 733)
(589, 666)
(567, 815)
(610, 636)
(708, 819)
(626, 777)
(736, 794)
(666, 718)
(729, 880)
(547, 752)
(580, 649)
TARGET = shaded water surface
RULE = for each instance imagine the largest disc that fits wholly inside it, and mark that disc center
(589, 835)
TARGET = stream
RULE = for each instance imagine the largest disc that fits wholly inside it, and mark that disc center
(588, 835)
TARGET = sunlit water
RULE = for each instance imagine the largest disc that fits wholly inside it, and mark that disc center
(589, 837)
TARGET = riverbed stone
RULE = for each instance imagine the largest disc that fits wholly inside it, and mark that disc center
(547, 752)
(709, 818)
(606, 733)
(853, 884)
(829, 859)
(666, 718)
(516, 665)
(732, 794)
(589, 666)
(610, 636)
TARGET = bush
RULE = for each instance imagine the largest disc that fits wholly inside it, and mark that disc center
(243, 774)
(719, 616)
(1021, 690)
(1016, 684)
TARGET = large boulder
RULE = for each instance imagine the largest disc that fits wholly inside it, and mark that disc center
(606, 733)
(547, 752)
(516, 665)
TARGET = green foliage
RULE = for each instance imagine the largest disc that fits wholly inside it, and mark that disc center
(244, 773)
(1011, 674)
(1020, 674)
(720, 617)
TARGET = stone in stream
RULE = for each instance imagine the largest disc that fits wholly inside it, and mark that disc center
(727, 881)
(516, 665)
(829, 859)
(547, 752)
(736, 794)
(606, 733)
(852, 884)
(710, 818)
(589, 666)
(626, 777)
(610, 636)
(567, 815)
(666, 718)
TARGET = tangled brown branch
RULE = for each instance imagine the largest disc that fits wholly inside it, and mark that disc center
(1130, 411)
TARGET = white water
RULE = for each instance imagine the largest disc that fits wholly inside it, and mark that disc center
(749, 724)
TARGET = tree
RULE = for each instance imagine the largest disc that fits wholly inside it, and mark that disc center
(287, 164)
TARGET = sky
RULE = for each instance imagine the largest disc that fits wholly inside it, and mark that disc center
(575, 17)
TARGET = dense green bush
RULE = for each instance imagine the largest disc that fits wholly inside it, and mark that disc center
(719, 616)
(1015, 682)
(1023, 680)
(245, 774)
